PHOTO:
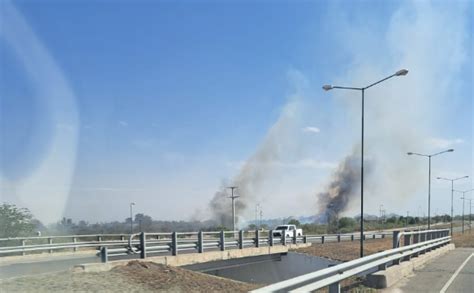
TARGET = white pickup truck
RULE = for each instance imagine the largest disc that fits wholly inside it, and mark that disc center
(288, 230)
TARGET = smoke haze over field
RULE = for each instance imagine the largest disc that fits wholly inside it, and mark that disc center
(168, 109)
(260, 167)
(400, 113)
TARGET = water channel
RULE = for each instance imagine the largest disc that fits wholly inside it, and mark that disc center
(265, 269)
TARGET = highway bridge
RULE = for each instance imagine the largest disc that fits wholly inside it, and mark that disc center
(102, 252)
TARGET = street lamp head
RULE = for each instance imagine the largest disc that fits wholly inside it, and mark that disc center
(132, 203)
(450, 150)
(327, 87)
(409, 153)
(401, 72)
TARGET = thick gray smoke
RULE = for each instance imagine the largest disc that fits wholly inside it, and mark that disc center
(345, 183)
(221, 207)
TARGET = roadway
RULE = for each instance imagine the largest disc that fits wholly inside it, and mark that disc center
(45, 264)
(451, 272)
(49, 263)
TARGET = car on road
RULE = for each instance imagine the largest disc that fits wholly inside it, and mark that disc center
(287, 230)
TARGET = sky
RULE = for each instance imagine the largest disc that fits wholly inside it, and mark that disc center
(162, 103)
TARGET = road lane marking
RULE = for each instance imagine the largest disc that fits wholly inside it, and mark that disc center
(443, 290)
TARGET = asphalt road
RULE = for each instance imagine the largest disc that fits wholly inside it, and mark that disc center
(451, 272)
(43, 265)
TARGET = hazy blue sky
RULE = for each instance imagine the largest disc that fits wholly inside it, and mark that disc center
(159, 102)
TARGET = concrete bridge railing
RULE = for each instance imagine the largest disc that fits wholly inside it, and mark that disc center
(152, 244)
(163, 242)
(332, 277)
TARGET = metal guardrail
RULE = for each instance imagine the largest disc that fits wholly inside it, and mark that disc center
(411, 237)
(124, 244)
(145, 244)
(55, 243)
(332, 276)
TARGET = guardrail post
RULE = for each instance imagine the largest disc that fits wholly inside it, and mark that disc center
(322, 239)
(104, 257)
(395, 239)
(383, 267)
(338, 237)
(222, 241)
(174, 243)
(283, 237)
(373, 236)
(143, 245)
(50, 241)
(352, 237)
(74, 239)
(383, 235)
(257, 238)
(23, 243)
(241, 239)
(406, 240)
(270, 238)
(200, 242)
(305, 239)
(335, 288)
(295, 239)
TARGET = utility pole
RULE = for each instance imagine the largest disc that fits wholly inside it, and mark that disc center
(261, 215)
(380, 216)
(131, 217)
(407, 219)
(233, 197)
(257, 207)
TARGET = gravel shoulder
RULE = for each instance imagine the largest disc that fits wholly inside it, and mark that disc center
(133, 277)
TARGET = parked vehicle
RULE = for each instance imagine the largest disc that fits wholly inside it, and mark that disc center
(279, 231)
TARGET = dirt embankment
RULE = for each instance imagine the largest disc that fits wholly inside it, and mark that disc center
(134, 277)
(464, 240)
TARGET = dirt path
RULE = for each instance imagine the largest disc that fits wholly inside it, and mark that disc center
(134, 277)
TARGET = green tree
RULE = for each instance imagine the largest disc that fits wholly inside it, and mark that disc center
(252, 227)
(347, 224)
(294, 222)
(15, 222)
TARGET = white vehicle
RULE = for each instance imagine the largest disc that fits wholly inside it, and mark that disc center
(288, 230)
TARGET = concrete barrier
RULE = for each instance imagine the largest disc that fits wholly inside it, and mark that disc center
(192, 258)
(393, 274)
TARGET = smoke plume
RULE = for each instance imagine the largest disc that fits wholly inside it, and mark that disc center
(279, 142)
(345, 183)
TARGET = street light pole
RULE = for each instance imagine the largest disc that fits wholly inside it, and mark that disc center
(401, 72)
(463, 198)
(131, 217)
(452, 194)
(233, 197)
(429, 177)
(470, 213)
